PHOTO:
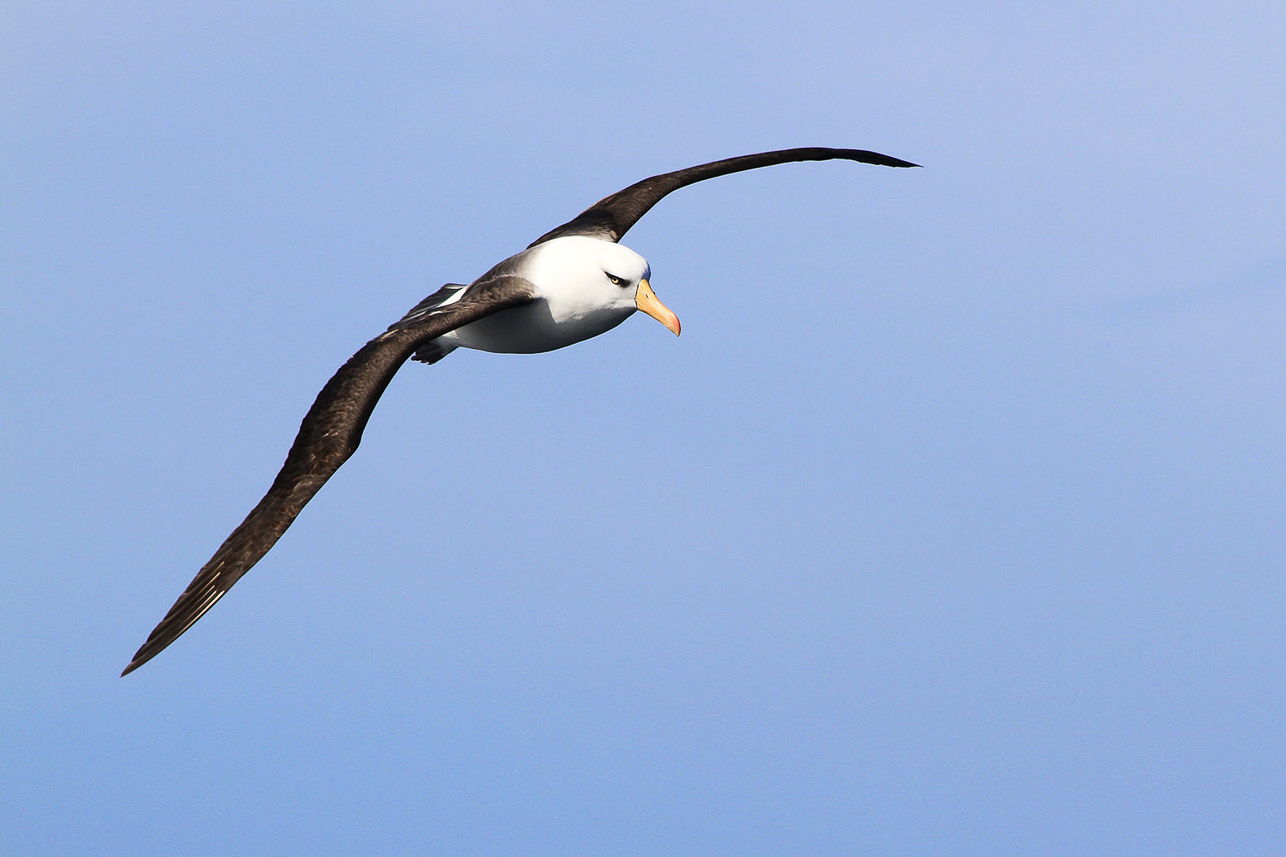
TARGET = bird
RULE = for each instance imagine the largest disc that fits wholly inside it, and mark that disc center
(572, 283)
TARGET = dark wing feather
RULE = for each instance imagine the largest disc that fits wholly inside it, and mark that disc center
(612, 216)
(329, 434)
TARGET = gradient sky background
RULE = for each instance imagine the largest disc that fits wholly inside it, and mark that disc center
(951, 525)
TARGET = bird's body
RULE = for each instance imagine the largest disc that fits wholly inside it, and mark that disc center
(574, 300)
(571, 284)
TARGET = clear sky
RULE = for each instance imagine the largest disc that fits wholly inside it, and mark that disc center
(952, 524)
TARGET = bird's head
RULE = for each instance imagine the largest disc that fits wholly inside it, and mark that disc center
(582, 275)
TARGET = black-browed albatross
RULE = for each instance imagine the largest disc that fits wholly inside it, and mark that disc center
(571, 283)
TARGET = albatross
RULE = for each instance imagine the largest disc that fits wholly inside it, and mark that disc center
(574, 282)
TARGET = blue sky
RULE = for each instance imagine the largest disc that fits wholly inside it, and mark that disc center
(951, 525)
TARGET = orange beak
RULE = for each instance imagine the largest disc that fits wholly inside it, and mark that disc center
(646, 300)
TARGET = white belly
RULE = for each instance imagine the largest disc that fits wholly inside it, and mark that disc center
(533, 328)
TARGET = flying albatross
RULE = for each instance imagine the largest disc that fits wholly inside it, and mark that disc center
(571, 283)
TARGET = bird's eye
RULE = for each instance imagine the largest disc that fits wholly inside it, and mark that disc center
(616, 281)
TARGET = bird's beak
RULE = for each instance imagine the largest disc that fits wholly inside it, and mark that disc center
(646, 300)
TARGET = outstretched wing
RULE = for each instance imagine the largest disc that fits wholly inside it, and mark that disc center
(329, 434)
(612, 216)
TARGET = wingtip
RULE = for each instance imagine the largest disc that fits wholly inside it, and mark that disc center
(898, 162)
(141, 657)
(868, 157)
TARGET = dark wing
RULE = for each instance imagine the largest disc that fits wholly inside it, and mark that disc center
(612, 216)
(329, 434)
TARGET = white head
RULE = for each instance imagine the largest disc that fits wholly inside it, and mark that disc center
(582, 278)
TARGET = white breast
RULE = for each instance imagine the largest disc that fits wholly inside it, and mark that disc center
(534, 328)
